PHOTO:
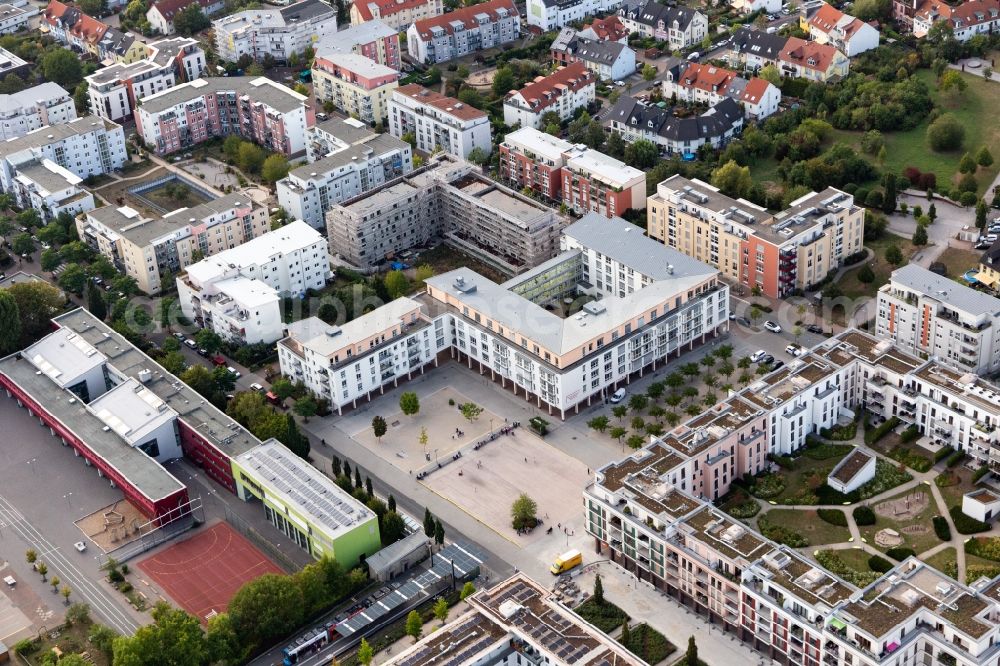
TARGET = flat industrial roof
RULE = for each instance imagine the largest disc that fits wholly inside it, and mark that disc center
(63, 356)
(131, 410)
(300, 485)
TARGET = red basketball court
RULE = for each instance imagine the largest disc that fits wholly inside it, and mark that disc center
(201, 574)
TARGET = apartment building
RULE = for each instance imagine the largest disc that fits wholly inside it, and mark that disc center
(650, 513)
(309, 191)
(447, 199)
(13, 19)
(397, 14)
(650, 303)
(114, 90)
(709, 85)
(967, 19)
(278, 33)
(680, 27)
(750, 50)
(30, 109)
(237, 293)
(333, 135)
(437, 121)
(583, 179)
(610, 29)
(161, 14)
(562, 92)
(794, 249)
(517, 616)
(43, 169)
(374, 39)
(356, 85)
(257, 109)
(463, 31)
(554, 14)
(152, 250)
(12, 64)
(608, 60)
(70, 26)
(716, 127)
(812, 60)
(929, 315)
(828, 25)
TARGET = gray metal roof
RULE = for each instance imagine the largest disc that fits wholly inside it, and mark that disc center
(378, 144)
(258, 89)
(626, 243)
(947, 291)
(388, 556)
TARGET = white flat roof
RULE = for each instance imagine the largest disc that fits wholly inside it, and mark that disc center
(132, 411)
(546, 145)
(610, 170)
(248, 292)
(64, 356)
(257, 252)
(326, 340)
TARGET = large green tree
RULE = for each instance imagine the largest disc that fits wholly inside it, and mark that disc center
(523, 512)
(62, 66)
(191, 19)
(733, 179)
(37, 303)
(266, 608)
(174, 638)
(10, 324)
(409, 403)
(274, 169)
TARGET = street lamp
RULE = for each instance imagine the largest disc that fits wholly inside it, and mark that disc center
(29, 464)
(66, 497)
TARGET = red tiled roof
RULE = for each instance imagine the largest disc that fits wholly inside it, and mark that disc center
(466, 15)
(385, 7)
(169, 8)
(755, 90)
(808, 54)
(444, 103)
(707, 77)
(610, 29)
(826, 18)
(971, 12)
(55, 10)
(89, 29)
(545, 90)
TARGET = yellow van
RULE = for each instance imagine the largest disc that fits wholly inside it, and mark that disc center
(566, 561)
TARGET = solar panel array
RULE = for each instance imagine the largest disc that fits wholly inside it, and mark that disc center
(321, 499)
(445, 646)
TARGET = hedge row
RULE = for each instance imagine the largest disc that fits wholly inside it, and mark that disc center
(943, 453)
(955, 458)
(879, 564)
(941, 528)
(900, 553)
(964, 524)
(980, 473)
(872, 435)
(833, 516)
(864, 515)
(911, 434)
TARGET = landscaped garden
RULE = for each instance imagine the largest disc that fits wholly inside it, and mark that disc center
(807, 524)
(851, 285)
(647, 643)
(805, 483)
(601, 613)
(903, 521)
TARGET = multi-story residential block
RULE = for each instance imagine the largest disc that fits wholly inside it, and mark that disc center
(278, 33)
(446, 199)
(151, 249)
(309, 191)
(751, 50)
(554, 14)
(828, 25)
(237, 293)
(13, 64)
(334, 135)
(681, 27)
(115, 89)
(437, 121)
(258, 109)
(374, 39)
(708, 84)
(585, 180)
(649, 514)
(716, 127)
(45, 104)
(44, 168)
(463, 31)
(608, 60)
(356, 85)
(926, 314)
(751, 6)
(812, 61)
(512, 617)
(397, 14)
(794, 249)
(70, 26)
(562, 92)
(13, 19)
(970, 18)
(651, 303)
(161, 14)
(610, 29)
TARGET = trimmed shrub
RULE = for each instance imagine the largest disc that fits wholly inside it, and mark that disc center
(943, 453)
(747, 509)
(785, 462)
(863, 515)
(781, 534)
(879, 564)
(955, 458)
(980, 473)
(911, 434)
(900, 553)
(833, 516)
(941, 528)
(880, 431)
(985, 547)
(964, 524)
(768, 486)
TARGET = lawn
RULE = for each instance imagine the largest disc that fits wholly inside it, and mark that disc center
(809, 525)
(648, 644)
(919, 542)
(797, 485)
(957, 261)
(974, 109)
(943, 560)
(854, 288)
(184, 197)
(605, 616)
(952, 494)
(855, 558)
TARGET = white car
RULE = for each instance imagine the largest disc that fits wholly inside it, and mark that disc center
(620, 84)
(771, 326)
(794, 350)
(256, 387)
(191, 343)
(618, 396)
(757, 355)
(234, 372)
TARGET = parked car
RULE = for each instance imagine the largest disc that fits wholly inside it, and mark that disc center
(203, 353)
(767, 359)
(777, 365)
(815, 328)
(794, 350)
(771, 326)
(620, 84)
(256, 387)
(234, 372)
(757, 355)
(618, 396)
(694, 56)
(191, 343)
(180, 336)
